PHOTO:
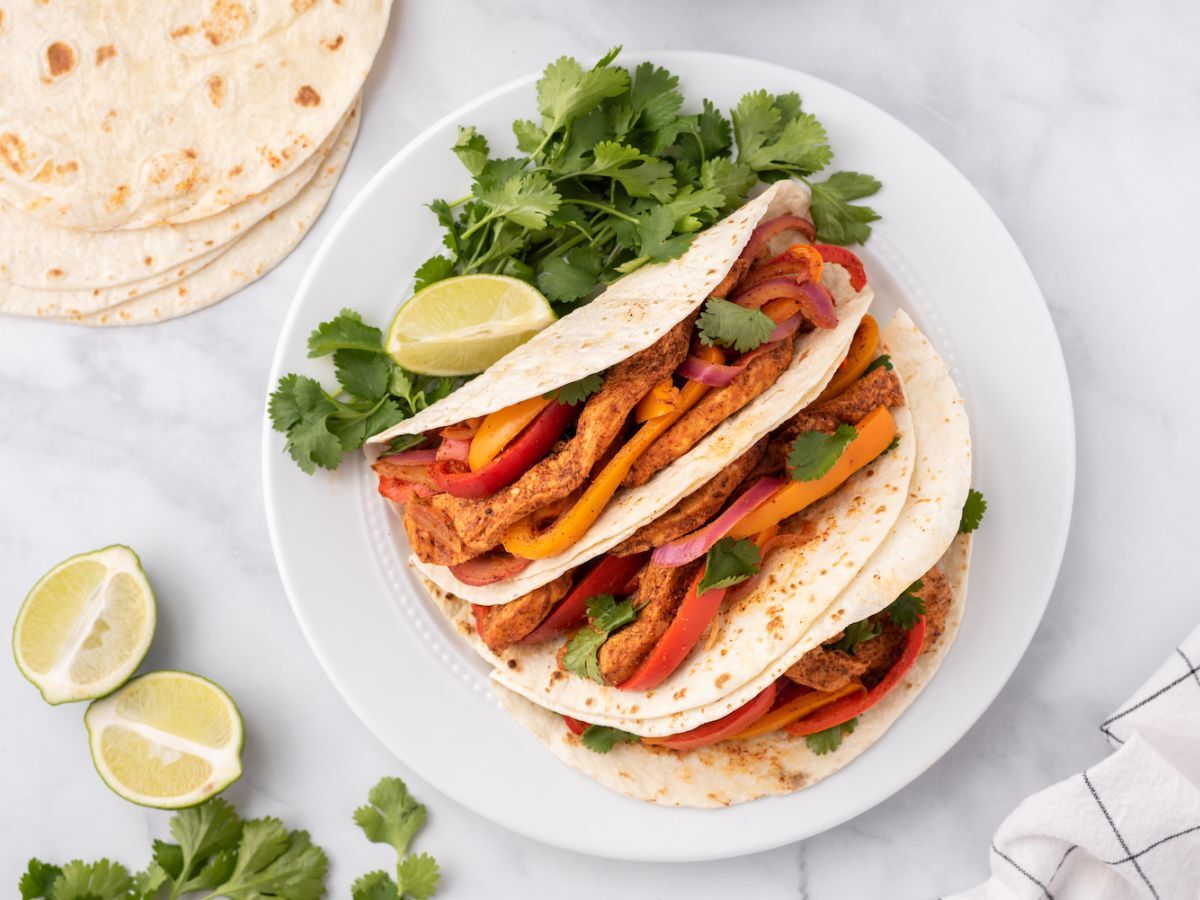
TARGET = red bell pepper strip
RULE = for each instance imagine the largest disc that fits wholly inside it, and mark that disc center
(725, 727)
(847, 260)
(847, 708)
(455, 478)
(695, 613)
(575, 725)
(609, 576)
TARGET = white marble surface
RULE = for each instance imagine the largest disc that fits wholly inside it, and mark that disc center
(1079, 123)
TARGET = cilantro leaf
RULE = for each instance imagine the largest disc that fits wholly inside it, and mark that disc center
(892, 446)
(272, 861)
(729, 562)
(301, 408)
(730, 325)
(641, 175)
(101, 880)
(418, 876)
(831, 738)
(471, 148)
(436, 268)
(907, 608)
(392, 815)
(346, 331)
(565, 279)
(530, 136)
(565, 90)
(654, 231)
(775, 137)
(653, 97)
(855, 634)
(973, 510)
(377, 885)
(37, 880)
(577, 391)
(884, 360)
(524, 199)
(732, 180)
(402, 442)
(363, 373)
(602, 738)
(837, 220)
(813, 453)
(605, 615)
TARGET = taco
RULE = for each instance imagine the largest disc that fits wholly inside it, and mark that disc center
(576, 439)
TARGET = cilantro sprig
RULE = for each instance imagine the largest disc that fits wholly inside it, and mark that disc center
(972, 512)
(375, 394)
(605, 616)
(576, 392)
(813, 453)
(602, 738)
(729, 562)
(831, 738)
(218, 854)
(856, 633)
(730, 325)
(907, 608)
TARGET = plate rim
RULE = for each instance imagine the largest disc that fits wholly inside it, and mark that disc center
(271, 457)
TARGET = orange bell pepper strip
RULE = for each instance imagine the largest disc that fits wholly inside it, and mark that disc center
(862, 351)
(795, 709)
(522, 539)
(662, 399)
(499, 428)
(875, 433)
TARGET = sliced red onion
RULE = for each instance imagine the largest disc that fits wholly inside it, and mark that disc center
(785, 328)
(454, 448)
(713, 374)
(696, 544)
(761, 236)
(820, 306)
(411, 457)
(816, 303)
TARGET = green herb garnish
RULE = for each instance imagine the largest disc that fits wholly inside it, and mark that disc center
(602, 738)
(730, 325)
(577, 391)
(813, 453)
(729, 562)
(972, 512)
(831, 738)
(606, 616)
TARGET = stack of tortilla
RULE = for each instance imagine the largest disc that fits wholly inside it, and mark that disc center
(156, 158)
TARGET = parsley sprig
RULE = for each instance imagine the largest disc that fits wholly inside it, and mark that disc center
(375, 394)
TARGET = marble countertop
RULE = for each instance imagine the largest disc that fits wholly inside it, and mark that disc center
(1079, 123)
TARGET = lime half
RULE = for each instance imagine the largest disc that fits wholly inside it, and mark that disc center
(85, 626)
(461, 325)
(166, 739)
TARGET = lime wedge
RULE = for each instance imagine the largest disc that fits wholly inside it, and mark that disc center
(461, 325)
(166, 739)
(85, 626)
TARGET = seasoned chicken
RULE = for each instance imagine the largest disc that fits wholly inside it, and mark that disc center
(714, 408)
(660, 592)
(503, 625)
(446, 530)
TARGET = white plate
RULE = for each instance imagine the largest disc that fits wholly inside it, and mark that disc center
(939, 251)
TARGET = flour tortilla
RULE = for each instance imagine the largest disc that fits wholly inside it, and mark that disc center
(133, 114)
(261, 249)
(629, 316)
(35, 254)
(738, 771)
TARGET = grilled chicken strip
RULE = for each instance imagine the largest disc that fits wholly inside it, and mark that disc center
(713, 409)
(695, 509)
(826, 669)
(660, 593)
(446, 530)
(505, 624)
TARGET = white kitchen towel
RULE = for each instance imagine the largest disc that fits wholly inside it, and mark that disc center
(1128, 827)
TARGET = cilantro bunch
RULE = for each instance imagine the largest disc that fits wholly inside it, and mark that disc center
(217, 854)
(614, 175)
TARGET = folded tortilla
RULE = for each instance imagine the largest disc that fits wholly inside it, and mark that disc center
(738, 771)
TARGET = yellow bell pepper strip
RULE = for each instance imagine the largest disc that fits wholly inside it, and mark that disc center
(499, 428)
(522, 539)
(795, 709)
(875, 433)
(862, 351)
(661, 400)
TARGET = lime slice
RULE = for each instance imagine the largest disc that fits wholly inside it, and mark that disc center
(85, 626)
(460, 326)
(166, 739)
